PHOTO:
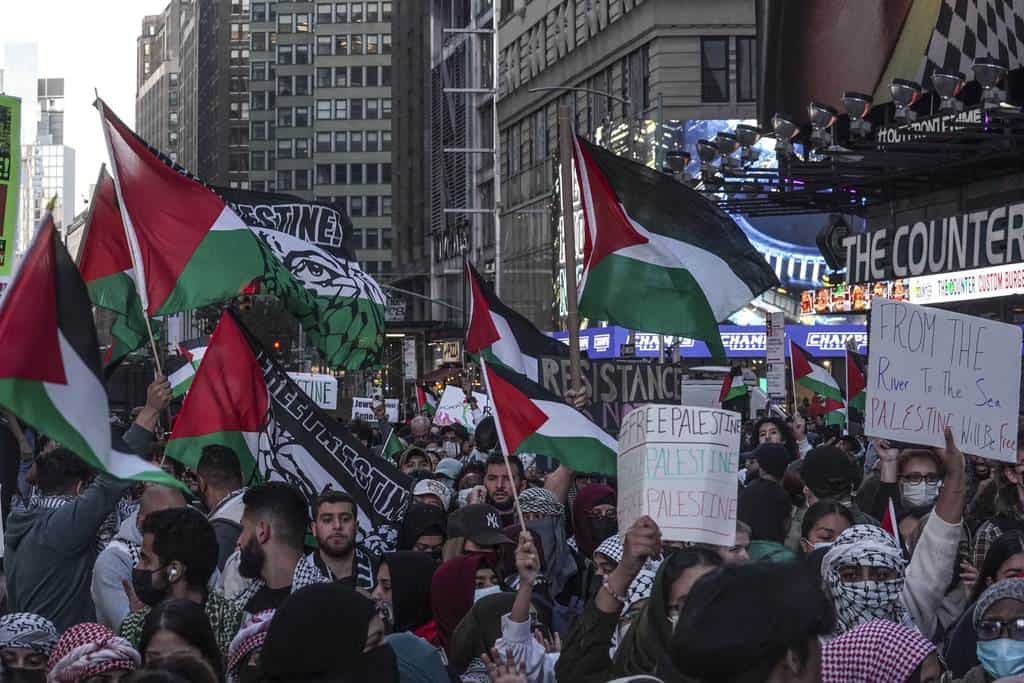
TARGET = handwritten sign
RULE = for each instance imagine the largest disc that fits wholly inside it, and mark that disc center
(453, 408)
(362, 409)
(929, 368)
(323, 389)
(678, 464)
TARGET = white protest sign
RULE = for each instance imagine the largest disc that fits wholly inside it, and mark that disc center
(678, 464)
(928, 368)
(454, 408)
(323, 389)
(362, 409)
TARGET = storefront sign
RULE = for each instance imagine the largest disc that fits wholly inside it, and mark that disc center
(945, 123)
(930, 368)
(981, 283)
(977, 239)
(678, 464)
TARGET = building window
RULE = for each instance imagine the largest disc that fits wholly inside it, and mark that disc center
(372, 112)
(245, 111)
(356, 109)
(257, 161)
(357, 43)
(235, 110)
(372, 174)
(324, 13)
(323, 138)
(302, 148)
(341, 44)
(356, 12)
(385, 11)
(323, 45)
(372, 12)
(323, 77)
(259, 11)
(355, 174)
(259, 42)
(284, 54)
(372, 237)
(385, 44)
(172, 79)
(259, 71)
(385, 210)
(284, 148)
(259, 130)
(340, 109)
(372, 44)
(714, 69)
(323, 112)
(323, 174)
(372, 140)
(172, 139)
(385, 108)
(341, 13)
(340, 174)
(385, 76)
(302, 85)
(356, 141)
(301, 117)
(372, 205)
(355, 206)
(355, 78)
(284, 180)
(302, 54)
(371, 77)
(285, 23)
(341, 77)
(540, 135)
(284, 117)
(302, 179)
(385, 172)
(746, 69)
(284, 86)
(341, 141)
(302, 23)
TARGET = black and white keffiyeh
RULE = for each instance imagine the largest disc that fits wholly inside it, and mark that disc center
(29, 631)
(540, 501)
(856, 603)
(611, 548)
(306, 574)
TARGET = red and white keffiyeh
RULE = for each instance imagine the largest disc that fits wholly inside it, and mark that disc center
(86, 650)
(879, 651)
(249, 637)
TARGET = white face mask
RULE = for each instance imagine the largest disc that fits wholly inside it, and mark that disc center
(481, 593)
(918, 495)
(451, 449)
(821, 544)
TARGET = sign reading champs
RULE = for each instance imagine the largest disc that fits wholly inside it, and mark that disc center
(975, 239)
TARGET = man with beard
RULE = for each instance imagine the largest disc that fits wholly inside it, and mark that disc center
(335, 526)
(271, 546)
(219, 476)
(499, 480)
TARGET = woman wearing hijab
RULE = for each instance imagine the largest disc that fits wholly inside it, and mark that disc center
(593, 517)
(423, 529)
(327, 633)
(456, 586)
(87, 650)
(403, 583)
(880, 651)
(999, 623)
(26, 643)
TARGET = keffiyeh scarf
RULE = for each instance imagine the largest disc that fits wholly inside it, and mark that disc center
(29, 631)
(90, 650)
(611, 548)
(878, 651)
(540, 501)
(250, 637)
(864, 545)
(306, 574)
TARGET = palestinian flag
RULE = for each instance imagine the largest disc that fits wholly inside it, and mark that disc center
(530, 419)
(393, 447)
(426, 401)
(182, 368)
(242, 398)
(106, 266)
(856, 384)
(733, 386)
(503, 336)
(657, 255)
(820, 382)
(50, 373)
(890, 523)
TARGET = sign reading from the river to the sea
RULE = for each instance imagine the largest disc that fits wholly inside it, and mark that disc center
(929, 368)
(678, 464)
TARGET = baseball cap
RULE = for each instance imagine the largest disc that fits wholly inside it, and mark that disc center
(773, 458)
(431, 487)
(448, 468)
(827, 471)
(480, 523)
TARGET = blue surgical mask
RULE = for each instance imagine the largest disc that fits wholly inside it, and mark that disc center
(481, 593)
(1001, 657)
(822, 544)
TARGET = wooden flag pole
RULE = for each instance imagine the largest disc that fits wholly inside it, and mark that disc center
(515, 492)
(565, 147)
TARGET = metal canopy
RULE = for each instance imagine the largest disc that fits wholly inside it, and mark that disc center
(865, 172)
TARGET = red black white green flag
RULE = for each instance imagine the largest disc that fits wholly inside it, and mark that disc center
(856, 384)
(182, 367)
(733, 385)
(659, 256)
(426, 401)
(241, 398)
(50, 372)
(531, 419)
(818, 380)
(501, 334)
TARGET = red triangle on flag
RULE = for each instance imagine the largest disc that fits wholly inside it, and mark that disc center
(104, 245)
(518, 417)
(855, 380)
(228, 392)
(481, 331)
(29, 334)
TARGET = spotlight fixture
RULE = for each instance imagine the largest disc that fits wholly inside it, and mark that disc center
(948, 85)
(990, 72)
(727, 144)
(904, 94)
(677, 160)
(822, 117)
(784, 130)
(857, 106)
(707, 151)
(748, 137)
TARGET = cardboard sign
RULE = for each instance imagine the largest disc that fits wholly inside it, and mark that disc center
(453, 408)
(362, 409)
(323, 389)
(928, 368)
(679, 464)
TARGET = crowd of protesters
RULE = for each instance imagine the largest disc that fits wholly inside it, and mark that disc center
(854, 560)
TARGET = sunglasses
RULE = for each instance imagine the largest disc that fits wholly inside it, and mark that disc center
(993, 629)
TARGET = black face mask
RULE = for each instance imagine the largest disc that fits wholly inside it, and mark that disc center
(142, 584)
(603, 527)
(12, 675)
(250, 560)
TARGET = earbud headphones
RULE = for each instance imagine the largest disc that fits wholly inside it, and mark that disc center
(173, 573)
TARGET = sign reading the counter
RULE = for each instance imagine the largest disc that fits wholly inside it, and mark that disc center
(976, 239)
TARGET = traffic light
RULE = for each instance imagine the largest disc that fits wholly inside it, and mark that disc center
(277, 345)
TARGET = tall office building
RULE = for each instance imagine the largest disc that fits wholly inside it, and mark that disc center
(320, 112)
(157, 95)
(48, 166)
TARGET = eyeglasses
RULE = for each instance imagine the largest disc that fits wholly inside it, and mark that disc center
(993, 629)
(918, 478)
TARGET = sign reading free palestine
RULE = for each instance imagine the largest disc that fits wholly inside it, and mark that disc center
(678, 464)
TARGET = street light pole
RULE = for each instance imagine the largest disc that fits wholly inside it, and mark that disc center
(565, 148)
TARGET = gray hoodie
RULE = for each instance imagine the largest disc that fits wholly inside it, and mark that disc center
(114, 566)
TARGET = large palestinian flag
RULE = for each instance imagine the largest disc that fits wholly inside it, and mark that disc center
(819, 381)
(503, 336)
(242, 398)
(530, 419)
(657, 255)
(856, 384)
(194, 245)
(106, 267)
(50, 373)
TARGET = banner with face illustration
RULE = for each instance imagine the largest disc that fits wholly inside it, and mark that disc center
(310, 269)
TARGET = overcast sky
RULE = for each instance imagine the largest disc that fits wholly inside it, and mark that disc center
(92, 46)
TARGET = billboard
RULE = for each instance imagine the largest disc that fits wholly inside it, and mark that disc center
(10, 168)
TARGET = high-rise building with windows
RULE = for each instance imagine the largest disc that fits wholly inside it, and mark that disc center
(158, 79)
(49, 166)
(320, 112)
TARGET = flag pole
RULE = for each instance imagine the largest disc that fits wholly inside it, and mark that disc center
(133, 245)
(565, 141)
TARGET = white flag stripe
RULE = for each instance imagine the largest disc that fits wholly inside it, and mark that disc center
(83, 404)
(181, 375)
(822, 376)
(228, 220)
(566, 421)
(508, 352)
